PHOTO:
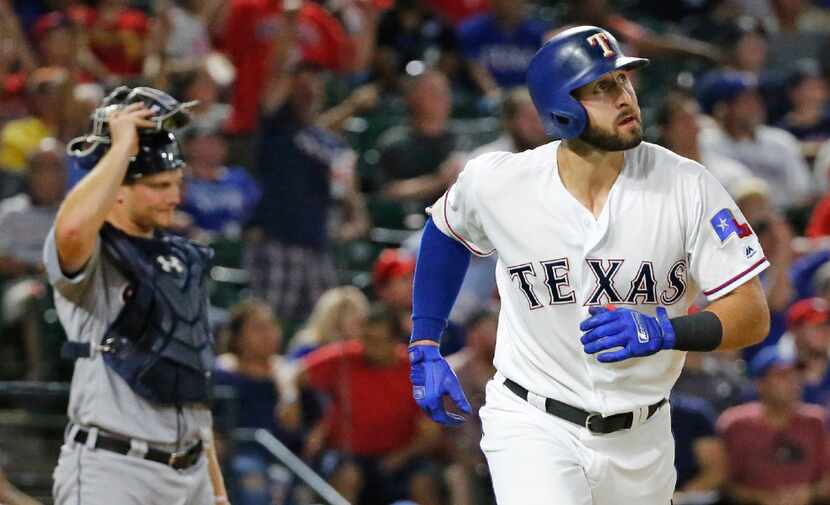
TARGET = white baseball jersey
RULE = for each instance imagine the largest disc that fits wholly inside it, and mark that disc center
(667, 231)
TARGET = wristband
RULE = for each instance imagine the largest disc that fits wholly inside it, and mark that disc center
(700, 332)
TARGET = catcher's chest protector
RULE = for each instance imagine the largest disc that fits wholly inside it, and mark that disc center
(161, 342)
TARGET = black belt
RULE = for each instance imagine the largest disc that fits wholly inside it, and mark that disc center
(594, 422)
(178, 460)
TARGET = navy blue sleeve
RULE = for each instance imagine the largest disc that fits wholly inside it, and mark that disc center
(439, 272)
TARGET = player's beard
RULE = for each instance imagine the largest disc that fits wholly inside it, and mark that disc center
(607, 141)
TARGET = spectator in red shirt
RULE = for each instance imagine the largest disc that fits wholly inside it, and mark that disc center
(59, 43)
(456, 11)
(777, 446)
(255, 39)
(117, 35)
(377, 439)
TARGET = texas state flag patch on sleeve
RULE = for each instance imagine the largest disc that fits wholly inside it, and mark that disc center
(725, 224)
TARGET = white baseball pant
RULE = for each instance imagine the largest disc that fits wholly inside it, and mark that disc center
(536, 458)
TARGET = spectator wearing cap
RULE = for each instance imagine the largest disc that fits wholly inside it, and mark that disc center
(392, 276)
(116, 34)
(46, 95)
(777, 446)
(310, 196)
(808, 337)
(59, 44)
(809, 117)
(218, 199)
(732, 100)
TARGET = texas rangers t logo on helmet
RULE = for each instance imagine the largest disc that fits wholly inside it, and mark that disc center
(601, 39)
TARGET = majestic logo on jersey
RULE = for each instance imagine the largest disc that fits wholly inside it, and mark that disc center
(725, 224)
(641, 289)
(602, 40)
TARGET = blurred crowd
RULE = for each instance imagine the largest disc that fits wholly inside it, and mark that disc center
(324, 128)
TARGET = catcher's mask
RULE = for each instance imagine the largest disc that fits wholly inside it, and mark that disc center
(158, 148)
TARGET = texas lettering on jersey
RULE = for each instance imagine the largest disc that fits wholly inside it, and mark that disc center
(642, 289)
(668, 233)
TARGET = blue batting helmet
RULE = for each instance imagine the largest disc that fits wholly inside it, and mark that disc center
(571, 59)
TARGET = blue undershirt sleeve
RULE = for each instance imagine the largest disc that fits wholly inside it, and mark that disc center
(439, 272)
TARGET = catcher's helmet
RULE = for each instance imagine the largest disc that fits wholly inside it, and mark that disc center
(158, 149)
(571, 59)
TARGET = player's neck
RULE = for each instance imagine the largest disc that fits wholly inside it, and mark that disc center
(120, 220)
(588, 173)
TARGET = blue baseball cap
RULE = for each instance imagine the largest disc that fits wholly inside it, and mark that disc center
(726, 85)
(767, 359)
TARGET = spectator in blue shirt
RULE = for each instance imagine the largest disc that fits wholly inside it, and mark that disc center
(700, 458)
(310, 195)
(218, 199)
(499, 45)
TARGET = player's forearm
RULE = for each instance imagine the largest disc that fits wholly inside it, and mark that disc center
(744, 316)
(439, 273)
(86, 207)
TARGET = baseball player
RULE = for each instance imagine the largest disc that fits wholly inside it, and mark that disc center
(603, 241)
(133, 301)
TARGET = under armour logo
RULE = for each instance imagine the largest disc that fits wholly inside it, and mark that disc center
(602, 39)
(170, 264)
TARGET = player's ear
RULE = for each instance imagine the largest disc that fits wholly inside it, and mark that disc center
(121, 194)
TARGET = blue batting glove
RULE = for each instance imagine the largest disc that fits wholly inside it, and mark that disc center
(637, 334)
(432, 378)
